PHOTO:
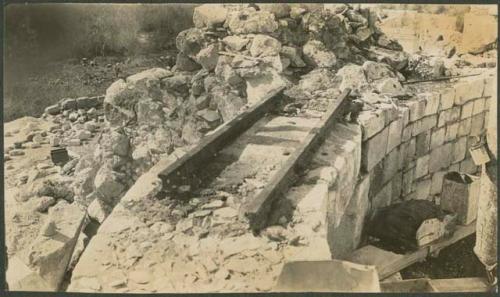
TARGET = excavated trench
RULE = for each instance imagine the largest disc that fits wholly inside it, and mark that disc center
(394, 153)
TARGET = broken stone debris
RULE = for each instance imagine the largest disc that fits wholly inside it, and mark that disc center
(47, 258)
(180, 107)
(397, 226)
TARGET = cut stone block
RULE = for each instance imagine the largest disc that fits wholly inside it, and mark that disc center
(385, 261)
(397, 187)
(449, 116)
(417, 109)
(464, 127)
(407, 133)
(437, 182)
(438, 137)
(404, 113)
(209, 15)
(454, 167)
(447, 99)
(460, 194)
(383, 198)
(423, 189)
(391, 165)
(376, 179)
(344, 147)
(407, 184)
(422, 143)
(451, 132)
(432, 230)
(432, 103)
(477, 125)
(346, 236)
(390, 111)
(315, 276)
(20, 277)
(488, 118)
(419, 285)
(479, 106)
(395, 132)
(468, 166)
(440, 157)
(489, 86)
(410, 153)
(49, 256)
(467, 91)
(403, 148)
(469, 284)
(467, 110)
(461, 91)
(374, 150)
(89, 102)
(371, 123)
(424, 124)
(459, 150)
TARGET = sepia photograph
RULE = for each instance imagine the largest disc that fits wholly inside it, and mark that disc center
(250, 147)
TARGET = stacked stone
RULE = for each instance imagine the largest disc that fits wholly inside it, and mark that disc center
(233, 57)
(408, 148)
(250, 50)
(77, 120)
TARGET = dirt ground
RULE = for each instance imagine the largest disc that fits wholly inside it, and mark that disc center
(455, 261)
(46, 85)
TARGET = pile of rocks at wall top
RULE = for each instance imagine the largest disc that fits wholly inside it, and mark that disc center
(235, 55)
(247, 50)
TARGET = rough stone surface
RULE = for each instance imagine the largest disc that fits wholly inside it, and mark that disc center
(374, 150)
(352, 77)
(395, 132)
(208, 57)
(317, 55)
(236, 43)
(422, 167)
(440, 157)
(447, 99)
(263, 45)
(371, 123)
(49, 256)
(438, 137)
(294, 55)
(107, 184)
(209, 15)
(249, 21)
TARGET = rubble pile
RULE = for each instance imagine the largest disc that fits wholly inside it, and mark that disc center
(234, 56)
(76, 120)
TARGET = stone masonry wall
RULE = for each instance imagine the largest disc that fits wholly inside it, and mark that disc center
(396, 153)
(408, 148)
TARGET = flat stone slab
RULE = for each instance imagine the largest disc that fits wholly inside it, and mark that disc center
(327, 276)
(388, 263)
(42, 265)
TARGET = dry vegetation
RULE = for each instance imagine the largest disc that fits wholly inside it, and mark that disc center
(45, 42)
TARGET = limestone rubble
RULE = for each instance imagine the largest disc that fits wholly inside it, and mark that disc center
(233, 57)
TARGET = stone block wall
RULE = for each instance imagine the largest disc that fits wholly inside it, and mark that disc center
(398, 152)
(407, 148)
